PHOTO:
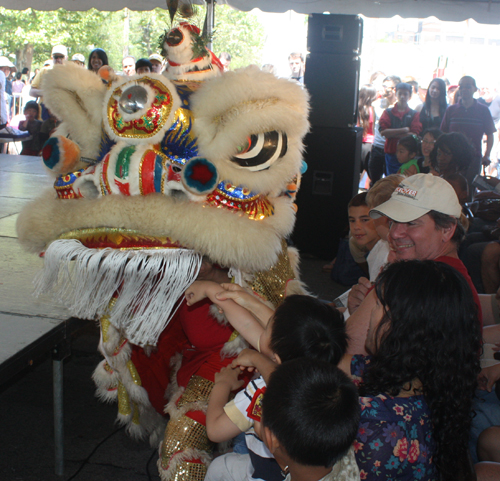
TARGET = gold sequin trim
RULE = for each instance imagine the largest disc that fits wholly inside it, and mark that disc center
(104, 328)
(181, 434)
(187, 471)
(198, 389)
(271, 284)
(136, 416)
(234, 335)
(133, 372)
(124, 407)
(123, 239)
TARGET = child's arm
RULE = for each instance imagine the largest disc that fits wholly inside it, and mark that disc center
(244, 299)
(237, 316)
(250, 359)
(219, 427)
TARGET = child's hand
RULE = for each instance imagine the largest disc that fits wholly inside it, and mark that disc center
(196, 292)
(237, 294)
(245, 360)
(229, 376)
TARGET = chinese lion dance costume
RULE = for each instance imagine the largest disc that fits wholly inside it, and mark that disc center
(153, 174)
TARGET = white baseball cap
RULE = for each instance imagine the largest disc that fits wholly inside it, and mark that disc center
(5, 62)
(155, 56)
(60, 50)
(418, 195)
(78, 57)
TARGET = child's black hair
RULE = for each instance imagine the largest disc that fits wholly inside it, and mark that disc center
(303, 326)
(32, 105)
(358, 200)
(411, 143)
(313, 410)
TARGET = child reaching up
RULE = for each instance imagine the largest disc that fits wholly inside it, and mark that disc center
(407, 153)
(301, 326)
(247, 314)
(310, 417)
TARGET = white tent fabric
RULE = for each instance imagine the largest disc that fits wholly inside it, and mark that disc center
(483, 11)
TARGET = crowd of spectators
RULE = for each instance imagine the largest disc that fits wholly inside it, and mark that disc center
(389, 386)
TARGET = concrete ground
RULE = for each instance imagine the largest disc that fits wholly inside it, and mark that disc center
(95, 448)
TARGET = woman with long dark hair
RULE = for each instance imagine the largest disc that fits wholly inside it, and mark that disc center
(97, 59)
(417, 387)
(435, 105)
(366, 119)
(454, 154)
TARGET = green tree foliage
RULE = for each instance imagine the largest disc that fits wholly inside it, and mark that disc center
(27, 36)
(240, 34)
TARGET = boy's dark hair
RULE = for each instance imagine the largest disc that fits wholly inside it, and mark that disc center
(313, 410)
(303, 326)
(32, 105)
(358, 200)
(411, 143)
(143, 62)
(404, 86)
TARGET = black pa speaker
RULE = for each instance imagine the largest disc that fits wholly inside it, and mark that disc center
(332, 69)
(332, 178)
(335, 34)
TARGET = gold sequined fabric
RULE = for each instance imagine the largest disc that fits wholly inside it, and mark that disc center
(181, 434)
(187, 471)
(124, 407)
(198, 389)
(271, 284)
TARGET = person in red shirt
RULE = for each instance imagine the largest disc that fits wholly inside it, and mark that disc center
(397, 122)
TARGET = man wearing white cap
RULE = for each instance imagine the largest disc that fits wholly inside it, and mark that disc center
(5, 66)
(59, 56)
(157, 62)
(78, 59)
(425, 224)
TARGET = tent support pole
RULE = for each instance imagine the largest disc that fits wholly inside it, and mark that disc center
(210, 21)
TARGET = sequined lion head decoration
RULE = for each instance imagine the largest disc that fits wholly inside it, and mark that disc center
(175, 170)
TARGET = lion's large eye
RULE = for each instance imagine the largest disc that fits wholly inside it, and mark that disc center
(133, 99)
(261, 151)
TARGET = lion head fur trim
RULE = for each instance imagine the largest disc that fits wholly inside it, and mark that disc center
(248, 101)
(252, 245)
(76, 95)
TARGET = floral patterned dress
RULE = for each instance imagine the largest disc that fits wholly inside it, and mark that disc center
(394, 439)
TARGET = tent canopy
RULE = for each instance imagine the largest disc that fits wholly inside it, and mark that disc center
(483, 11)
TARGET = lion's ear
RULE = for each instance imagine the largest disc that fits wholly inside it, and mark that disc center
(75, 95)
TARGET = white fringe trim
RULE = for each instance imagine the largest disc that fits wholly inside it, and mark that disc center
(151, 283)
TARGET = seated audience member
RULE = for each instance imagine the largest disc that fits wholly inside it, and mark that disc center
(397, 122)
(454, 154)
(78, 59)
(156, 63)
(301, 327)
(142, 66)
(416, 389)
(380, 192)
(350, 263)
(460, 186)
(407, 153)
(426, 223)
(488, 469)
(128, 66)
(97, 59)
(33, 126)
(310, 416)
(48, 127)
(428, 147)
